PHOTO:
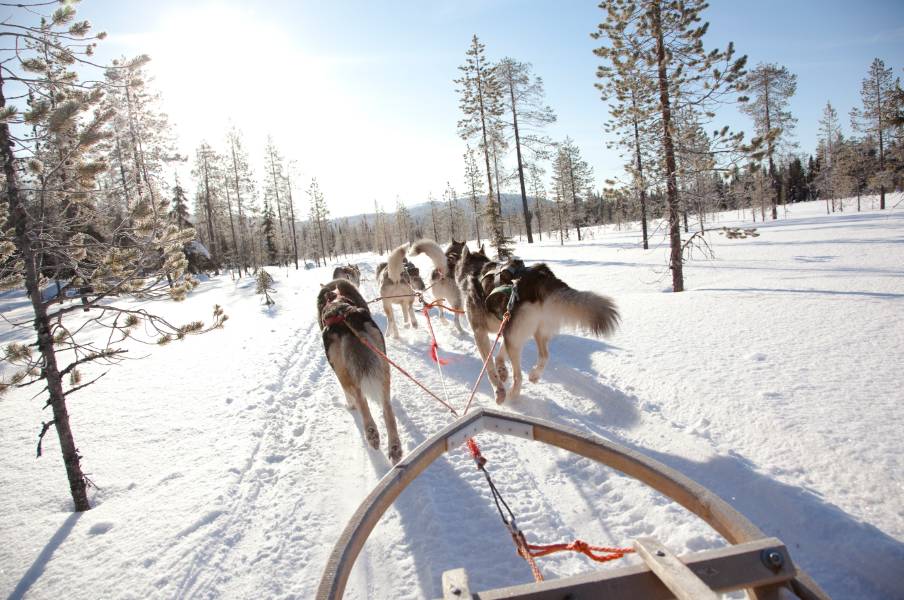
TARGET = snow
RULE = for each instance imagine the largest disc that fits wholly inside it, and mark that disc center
(227, 464)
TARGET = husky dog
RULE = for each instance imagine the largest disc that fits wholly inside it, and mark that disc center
(350, 272)
(398, 280)
(544, 304)
(343, 315)
(442, 279)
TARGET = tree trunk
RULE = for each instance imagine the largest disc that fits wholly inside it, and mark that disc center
(527, 215)
(881, 143)
(19, 220)
(235, 244)
(640, 180)
(675, 258)
(213, 243)
(292, 222)
(238, 200)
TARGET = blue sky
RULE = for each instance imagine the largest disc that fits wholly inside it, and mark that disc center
(360, 94)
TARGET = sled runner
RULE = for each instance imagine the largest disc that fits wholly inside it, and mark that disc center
(756, 563)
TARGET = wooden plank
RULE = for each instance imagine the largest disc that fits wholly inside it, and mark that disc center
(455, 585)
(723, 570)
(676, 576)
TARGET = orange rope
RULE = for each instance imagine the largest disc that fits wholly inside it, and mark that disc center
(440, 304)
(597, 553)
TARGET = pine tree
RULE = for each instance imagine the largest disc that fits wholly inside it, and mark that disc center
(572, 175)
(474, 185)
(878, 115)
(538, 191)
(207, 170)
(481, 104)
(829, 139)
(242, 183)
(668, 36)
(268, 228)
(179, 207)
(273, 165)
(318, 215)
(771, 87)
(51, 157)
(451, 198)
(525, 101)
(628, 84)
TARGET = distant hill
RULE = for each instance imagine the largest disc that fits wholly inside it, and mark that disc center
(420, 212)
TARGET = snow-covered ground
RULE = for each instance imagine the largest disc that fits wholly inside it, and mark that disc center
(228, 464)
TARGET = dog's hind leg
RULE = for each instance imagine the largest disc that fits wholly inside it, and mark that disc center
(390, 319)
(392, 432)
(501, 369)
(483, 345)
(370, 428)
(457, 320)
(514, 353)
(411, 312)
(542, 357)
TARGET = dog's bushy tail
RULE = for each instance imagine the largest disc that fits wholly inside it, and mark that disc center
(396, 262)
(585, 310)
(431, 249)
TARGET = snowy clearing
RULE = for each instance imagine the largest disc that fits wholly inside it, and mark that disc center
(228, 464)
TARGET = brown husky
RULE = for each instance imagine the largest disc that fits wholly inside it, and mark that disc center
(442, 279)
(543, 305)
(350, 272)
(343, 316)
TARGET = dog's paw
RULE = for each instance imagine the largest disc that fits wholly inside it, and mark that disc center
(373, 436)
(395, 452)
(500, 395)
(534, 376)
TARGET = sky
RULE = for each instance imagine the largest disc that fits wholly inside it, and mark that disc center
(361, 96)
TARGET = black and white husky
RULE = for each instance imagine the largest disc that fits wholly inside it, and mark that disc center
(442, 279)
(544, 305)
(343, 316)
(398, 280)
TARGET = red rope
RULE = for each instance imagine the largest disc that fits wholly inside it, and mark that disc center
(401, 370)
(434, 346)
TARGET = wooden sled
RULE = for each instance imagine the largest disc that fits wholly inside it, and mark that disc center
(756, 563)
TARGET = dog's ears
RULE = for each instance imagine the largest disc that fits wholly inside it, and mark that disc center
(482, 250)
(322, 285)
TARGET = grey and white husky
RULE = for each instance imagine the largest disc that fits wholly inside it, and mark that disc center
(544, 305)
(398, 280)
(343, 316)
(442, 279)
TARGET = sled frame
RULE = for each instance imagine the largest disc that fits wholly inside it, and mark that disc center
(718, 514)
